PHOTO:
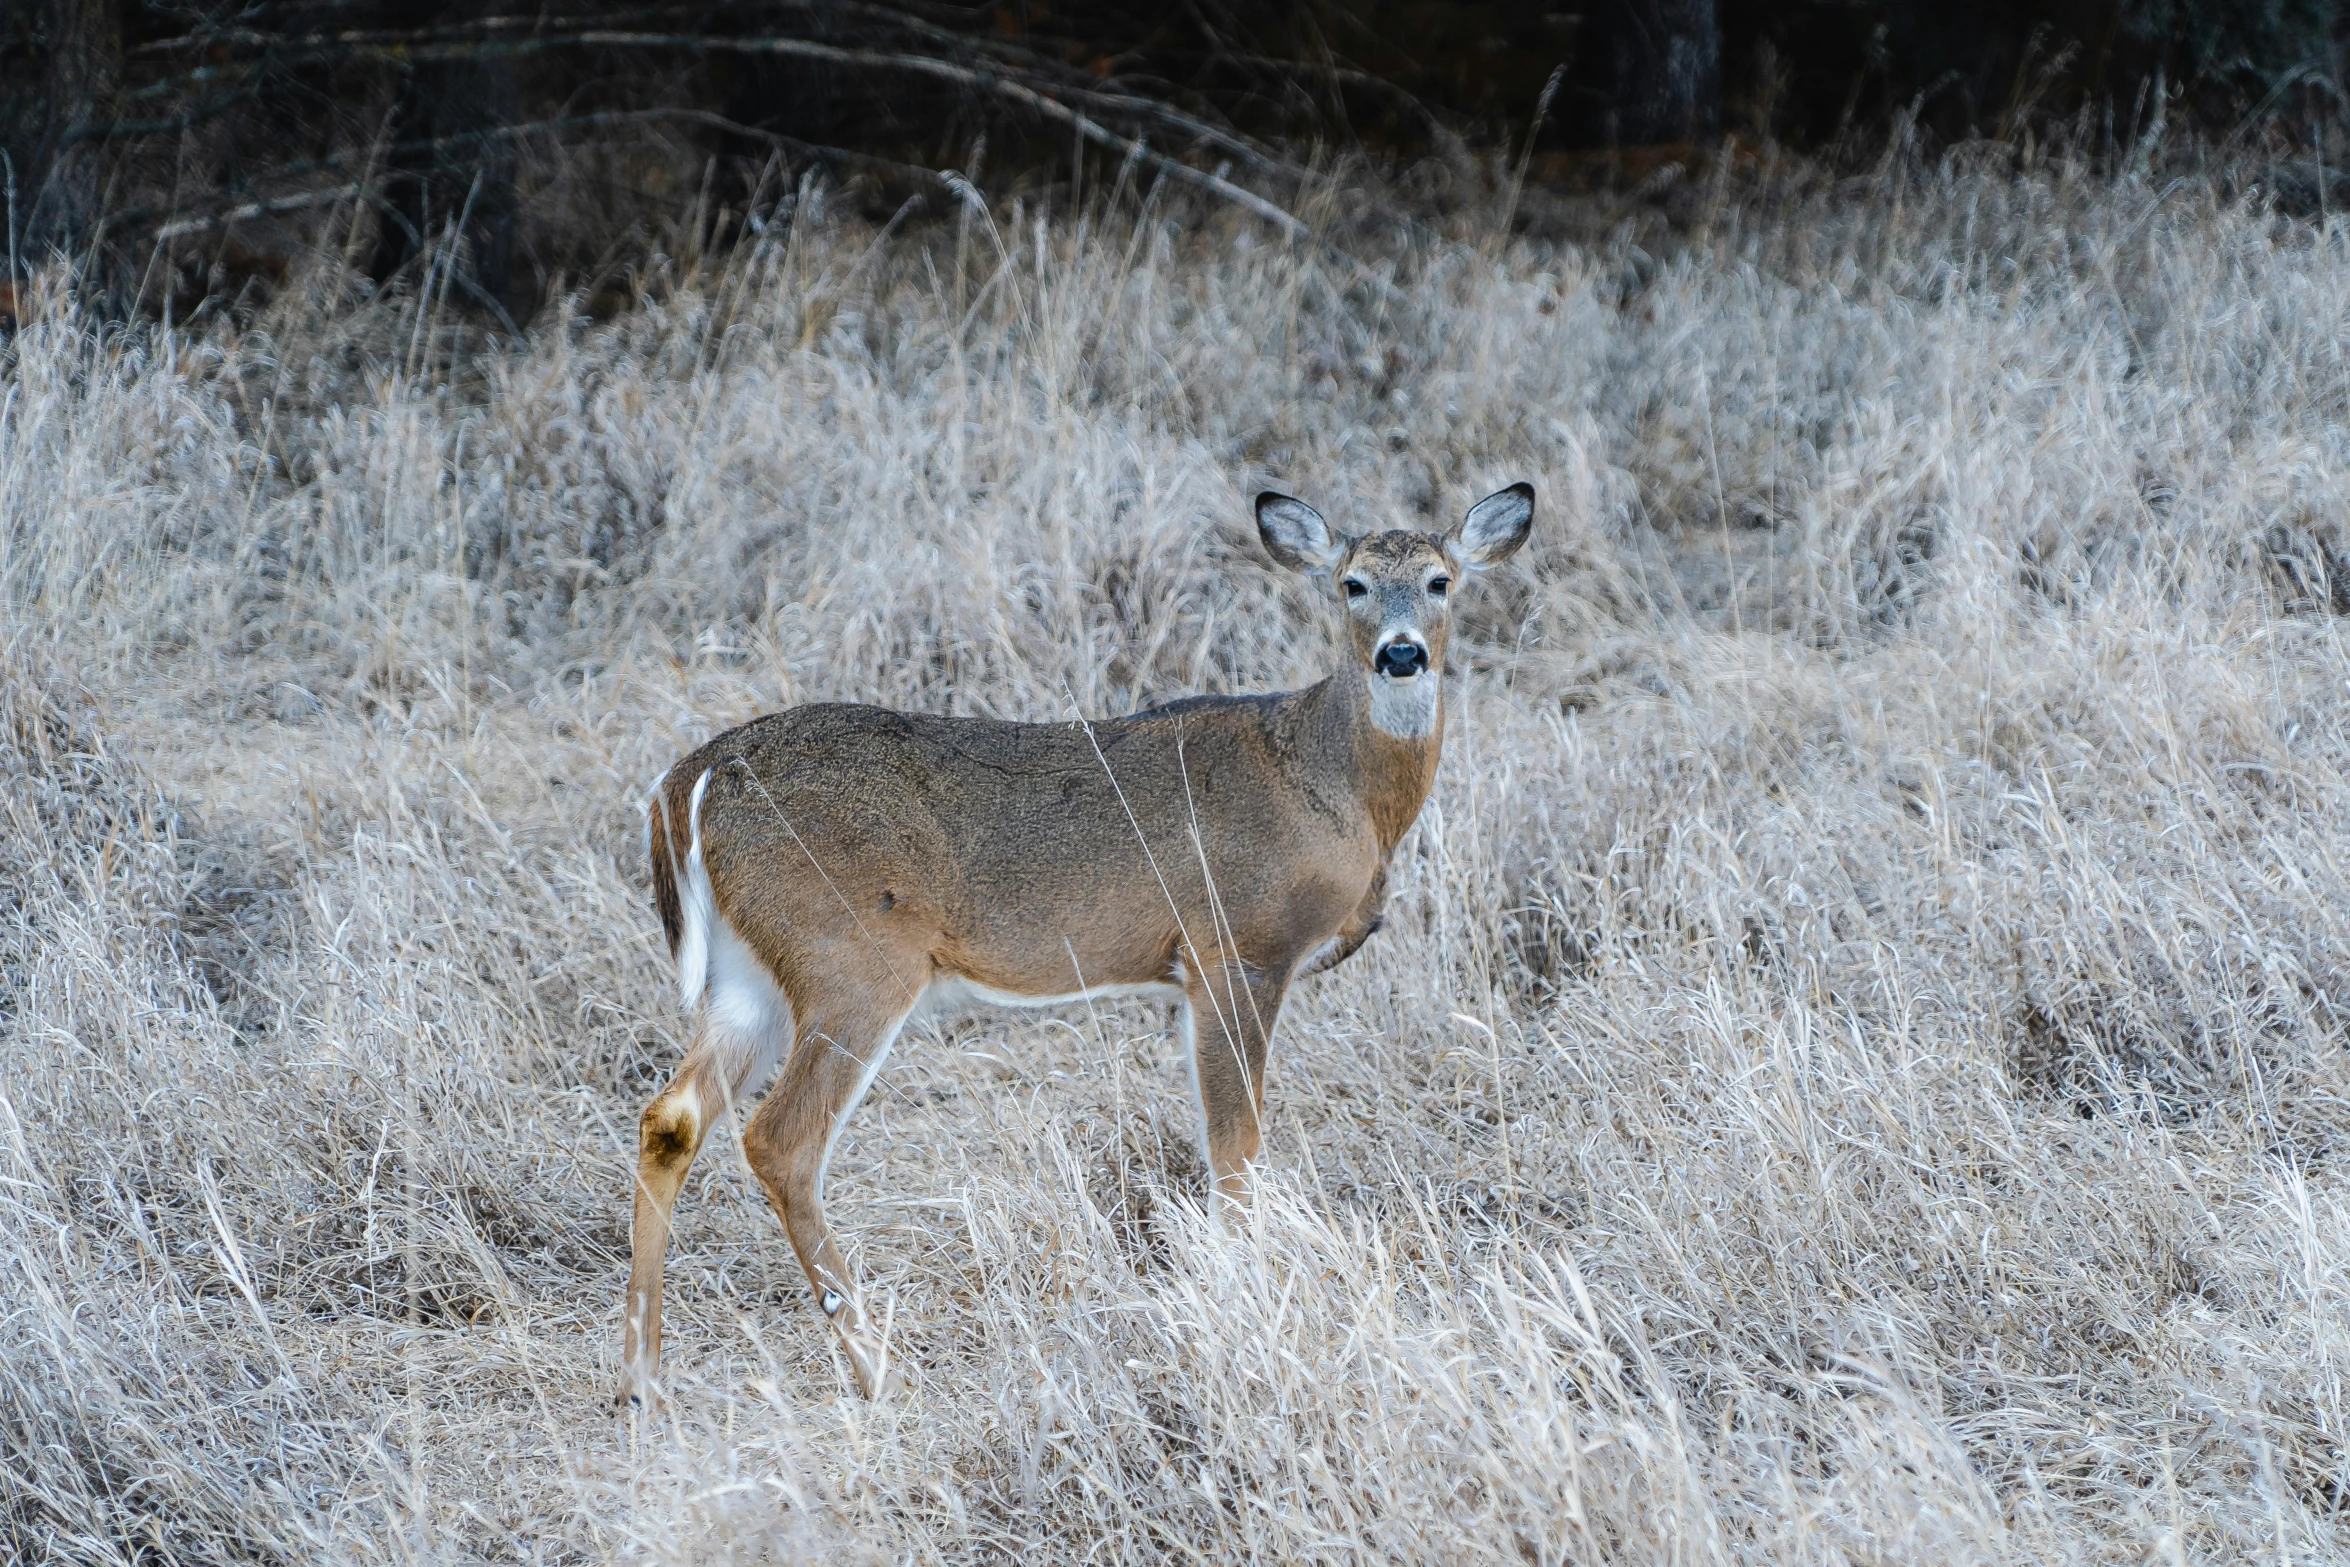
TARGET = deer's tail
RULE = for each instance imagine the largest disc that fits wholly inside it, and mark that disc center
(681, 885)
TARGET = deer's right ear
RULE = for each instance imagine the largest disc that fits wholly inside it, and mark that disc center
(1295, 534)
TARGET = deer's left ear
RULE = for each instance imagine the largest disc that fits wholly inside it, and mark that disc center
(1494, 528)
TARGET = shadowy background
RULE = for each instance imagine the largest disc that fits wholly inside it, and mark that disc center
(180, 154)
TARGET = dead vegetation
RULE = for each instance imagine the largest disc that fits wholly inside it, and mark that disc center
(1853, 1071)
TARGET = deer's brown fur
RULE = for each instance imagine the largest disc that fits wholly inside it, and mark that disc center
(823, 872)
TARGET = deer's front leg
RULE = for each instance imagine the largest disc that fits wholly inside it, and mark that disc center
(1230, 1008)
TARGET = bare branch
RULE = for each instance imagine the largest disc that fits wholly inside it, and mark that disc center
(183, 227)
(943, 70)
(178, 228)
(446, 44)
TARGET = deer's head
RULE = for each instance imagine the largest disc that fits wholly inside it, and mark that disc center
(1396, 590)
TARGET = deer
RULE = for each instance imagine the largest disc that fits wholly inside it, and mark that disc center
(827, 873)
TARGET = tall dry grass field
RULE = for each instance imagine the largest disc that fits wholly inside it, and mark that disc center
(1855, 1070)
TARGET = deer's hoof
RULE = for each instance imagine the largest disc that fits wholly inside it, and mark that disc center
(638, 1395)
(879, 1374)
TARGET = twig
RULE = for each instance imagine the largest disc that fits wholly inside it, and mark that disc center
(1550, 89)
(806, 49)
(179, 227)
(126, 130)
(251, 209)
(478, 36)
(9, 164)
(966, 76)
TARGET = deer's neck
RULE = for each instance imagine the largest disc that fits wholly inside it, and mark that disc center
(1391, 773)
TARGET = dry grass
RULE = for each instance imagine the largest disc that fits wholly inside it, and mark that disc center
(1856, 1072)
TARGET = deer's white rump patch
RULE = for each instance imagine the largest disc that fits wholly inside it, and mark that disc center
(748, 1016)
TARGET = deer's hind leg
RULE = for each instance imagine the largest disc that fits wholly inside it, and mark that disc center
(727, 1054)
(839, 1046)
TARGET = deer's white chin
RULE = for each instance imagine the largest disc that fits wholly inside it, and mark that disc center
(1404, 708)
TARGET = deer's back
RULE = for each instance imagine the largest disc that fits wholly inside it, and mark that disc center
(985, 837)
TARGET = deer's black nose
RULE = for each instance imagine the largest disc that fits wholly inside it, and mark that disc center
(1401, 659)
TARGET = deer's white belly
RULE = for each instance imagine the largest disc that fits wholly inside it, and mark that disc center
(953, 993)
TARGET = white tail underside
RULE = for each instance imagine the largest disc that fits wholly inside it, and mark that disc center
(696, 905)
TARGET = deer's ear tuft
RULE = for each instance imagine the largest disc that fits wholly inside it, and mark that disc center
(1295, 534)
(1494, 528)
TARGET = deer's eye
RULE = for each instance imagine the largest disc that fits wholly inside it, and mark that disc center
(1437, 585)
(1355, 589)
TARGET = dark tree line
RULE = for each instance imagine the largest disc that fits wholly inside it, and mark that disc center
(131, 125)
(60, 77)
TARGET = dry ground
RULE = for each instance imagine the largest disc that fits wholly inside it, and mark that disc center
(1856, 1071)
